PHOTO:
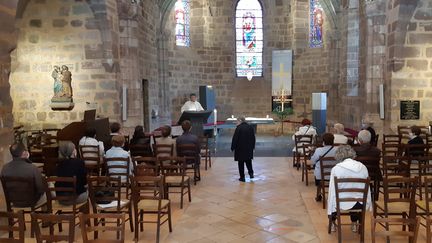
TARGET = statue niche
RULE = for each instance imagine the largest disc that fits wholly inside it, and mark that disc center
(62, 98)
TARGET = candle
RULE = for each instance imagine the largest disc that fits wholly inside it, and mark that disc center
(267, 116)
(215, 116)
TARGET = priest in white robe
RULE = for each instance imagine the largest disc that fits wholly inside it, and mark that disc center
(192, 104)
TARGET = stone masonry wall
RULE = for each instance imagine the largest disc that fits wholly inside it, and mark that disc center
(211, 58)
(58, 32)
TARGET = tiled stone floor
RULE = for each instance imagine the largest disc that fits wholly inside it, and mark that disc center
(275, 207)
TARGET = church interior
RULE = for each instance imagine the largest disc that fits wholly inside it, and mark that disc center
(111, 69)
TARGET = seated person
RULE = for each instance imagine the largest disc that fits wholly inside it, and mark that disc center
(115, 129)
(192, 104)
(347, 167)
(188, 138)
(139, 136)
(365, 149)
(305, 129)
(69, 166)
(339, 131)
(367, 125)
(22, 167)
(90, 139)
(415, 139)
(167, 139)
(328, 150)
(117, 151)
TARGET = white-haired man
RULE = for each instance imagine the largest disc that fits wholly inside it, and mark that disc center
(365, 149)
(339, 131)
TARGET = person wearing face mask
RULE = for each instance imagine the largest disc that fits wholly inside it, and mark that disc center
(22, 167)
(415, 139)
(69, 166)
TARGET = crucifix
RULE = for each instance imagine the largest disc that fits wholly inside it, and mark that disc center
(282, 99)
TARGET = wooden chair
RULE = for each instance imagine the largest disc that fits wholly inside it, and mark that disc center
(148, 198)
(190, 153)
(392, 139)
(416, 150)
(143, 150)
(399, 198)
(425, 171)
(155, 135)
(163, 150)
(105, 196)
(424, 208)
(391, 150)
(92, 159)
(63, 189)
(205, 151)
(103, 223)
(326, 165)
(120, 167)
(374, 171)
(306, 165)
(145, 160)
(404, 131)
(175, 177)
(14, 189)
(361, 190)
(41, 219)
(145, 169)
(298, 141)
(10, 228)
(412, 224)
(396, 166)
(34, 145)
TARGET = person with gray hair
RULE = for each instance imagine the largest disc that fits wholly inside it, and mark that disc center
(243, 145)
(347, 168)
(339, 131)
(69, 166)
(365, 148)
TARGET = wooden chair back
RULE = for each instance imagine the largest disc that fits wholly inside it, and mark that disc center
(61, 189)
(395, 223)
(19, 192)
(147, 188)
(92, 159)
(399, 190)
(156, 135)
(103, 223)
(13, 219)
(119, 167)
(103, 190)
(145, 169)
(163, 150)
(392, 139)
(326, 165)
(301, 139)
(145, 160)
(40, 219)
(143, 150)
(404, 131)
(391, 149)
(416, 150)
(188, 151)
(176, 166)
(396, 166)
(427, 183)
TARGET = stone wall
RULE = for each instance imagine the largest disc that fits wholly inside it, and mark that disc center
(62, 33)
(211, 58)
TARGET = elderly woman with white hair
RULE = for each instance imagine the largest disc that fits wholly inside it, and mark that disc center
(339, 131)
(347, 168)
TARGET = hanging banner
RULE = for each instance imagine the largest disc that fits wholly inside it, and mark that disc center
(281, 79)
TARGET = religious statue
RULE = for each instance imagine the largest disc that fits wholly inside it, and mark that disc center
(57, 83)
(62, 98)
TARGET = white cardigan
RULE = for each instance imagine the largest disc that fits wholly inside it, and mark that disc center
(349, 168)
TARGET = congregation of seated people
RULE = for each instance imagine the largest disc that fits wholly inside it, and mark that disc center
(75, 185)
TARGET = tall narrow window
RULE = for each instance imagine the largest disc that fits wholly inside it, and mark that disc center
(182, 18)
(249, 38)
(316, 21)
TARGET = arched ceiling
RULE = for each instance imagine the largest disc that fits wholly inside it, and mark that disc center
(331, 8)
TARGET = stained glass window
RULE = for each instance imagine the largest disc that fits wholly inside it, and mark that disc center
(316, 21)
(249, 38)
(182, 18)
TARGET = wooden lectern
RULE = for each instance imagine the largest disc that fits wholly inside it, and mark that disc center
(197, 118)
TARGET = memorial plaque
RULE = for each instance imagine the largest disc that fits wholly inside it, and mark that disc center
(410, 110)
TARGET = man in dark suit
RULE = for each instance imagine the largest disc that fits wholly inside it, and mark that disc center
(243, 145)
(366, 149)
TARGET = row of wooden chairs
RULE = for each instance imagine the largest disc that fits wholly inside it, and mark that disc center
(16, 227)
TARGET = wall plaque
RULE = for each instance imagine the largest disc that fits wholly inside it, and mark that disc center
(410, 110)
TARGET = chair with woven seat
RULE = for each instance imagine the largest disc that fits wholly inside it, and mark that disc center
(163, 150)
(391, 150)
(148, 198)
(424, 208)
(306, 165)
(399, 198)
(20, 195)
(205, 151)
(375, 174)
(92, 159)
(361, 189)
(425, 171)
(62, 199)
(50, 219)
(326, 165)
(392, 139)
(120, 167)
(412, 224)
(396, 166)
(191, 154)
(175, 177)
(13, 219)
(104, 224)
(298, 141)
(105, 197)
(145, 169)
